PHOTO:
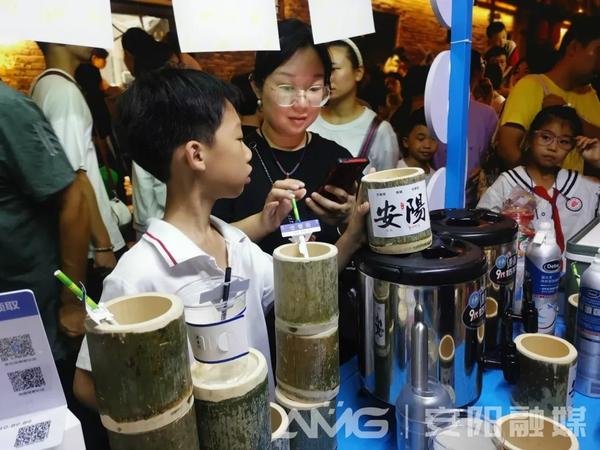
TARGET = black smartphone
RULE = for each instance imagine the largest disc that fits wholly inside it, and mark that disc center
(343, 175)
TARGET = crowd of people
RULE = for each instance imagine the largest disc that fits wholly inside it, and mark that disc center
(214, 168)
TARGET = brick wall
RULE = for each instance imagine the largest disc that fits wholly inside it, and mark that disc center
(20, 63)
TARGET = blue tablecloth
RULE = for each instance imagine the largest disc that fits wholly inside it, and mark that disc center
(585, 422)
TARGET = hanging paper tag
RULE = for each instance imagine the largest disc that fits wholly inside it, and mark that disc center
(300, 228)
(218, 342)
(539, 238)
(215, 295)
(99, 314)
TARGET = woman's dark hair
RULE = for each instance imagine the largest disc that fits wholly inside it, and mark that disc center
(294, 35)
(248, 105)
(100, 53)
(561, 113)
(166, 108)
(147, 52)
(494, 73)
(349, 51)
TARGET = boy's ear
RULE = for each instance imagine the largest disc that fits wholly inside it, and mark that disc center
(405, 142)
(195, 155)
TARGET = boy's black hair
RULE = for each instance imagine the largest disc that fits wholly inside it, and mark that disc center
(563, 113)
(293, 36)
(494, 52)
(494, 28)
(166, 108)
(43, 46)
(494, 73)
(417, 117)
(583, 30)
(100, 53)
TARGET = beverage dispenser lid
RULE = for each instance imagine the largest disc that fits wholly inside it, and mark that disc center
(480, 226)
(447, 261)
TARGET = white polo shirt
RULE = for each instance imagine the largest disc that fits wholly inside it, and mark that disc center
(65, 108)
(165, 260)
(577, 203)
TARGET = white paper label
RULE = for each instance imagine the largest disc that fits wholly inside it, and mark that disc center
(33, 407)
(399, 211)
(226, 25)
(571, 385)
(76, 22)
(379, 325)
(339, 19)
(219, 342)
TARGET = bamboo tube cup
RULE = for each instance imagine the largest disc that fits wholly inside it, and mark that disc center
(322, 412)
(527, 431)
(547, 372)
(306, 289)
(142, 373)
(233, 414)
(279, 428)
(398, 220)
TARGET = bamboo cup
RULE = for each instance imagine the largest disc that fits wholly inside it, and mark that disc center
(279, 428)
(398, 220)
(142, 373)
(547, 372)
(527, 431)
(232, 404)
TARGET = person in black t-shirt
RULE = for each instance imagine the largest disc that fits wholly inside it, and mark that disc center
(291, 86)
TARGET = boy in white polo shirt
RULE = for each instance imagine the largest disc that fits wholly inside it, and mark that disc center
(181, 126)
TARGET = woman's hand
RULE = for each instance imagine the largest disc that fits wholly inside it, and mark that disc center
(329, 211)
(590, 149)
(279, 202)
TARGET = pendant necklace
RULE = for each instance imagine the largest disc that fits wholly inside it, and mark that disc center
(287, 173)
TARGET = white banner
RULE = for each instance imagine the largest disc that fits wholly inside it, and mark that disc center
(76, 22)
(332, 20)
(226, 25)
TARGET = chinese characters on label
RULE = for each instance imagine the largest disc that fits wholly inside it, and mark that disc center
(399, 211)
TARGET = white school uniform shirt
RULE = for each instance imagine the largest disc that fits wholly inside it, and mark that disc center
(384, 152)
(65, 108)
(577, 202)
(402, 164)
(165, 260)
(149, 198)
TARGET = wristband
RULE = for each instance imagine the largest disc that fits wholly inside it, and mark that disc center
(103, 249)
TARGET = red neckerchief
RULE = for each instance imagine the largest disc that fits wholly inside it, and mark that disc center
(543, 193)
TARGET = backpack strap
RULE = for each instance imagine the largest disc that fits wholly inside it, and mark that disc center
(369, 138)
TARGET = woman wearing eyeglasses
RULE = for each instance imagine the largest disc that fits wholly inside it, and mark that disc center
(291, 86)
(565, 197)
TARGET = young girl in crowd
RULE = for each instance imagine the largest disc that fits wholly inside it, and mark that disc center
(346, 120)
(566, 197)
(418, 146)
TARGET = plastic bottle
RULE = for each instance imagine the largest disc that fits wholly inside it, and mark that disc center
(588, 331)
(543, 262)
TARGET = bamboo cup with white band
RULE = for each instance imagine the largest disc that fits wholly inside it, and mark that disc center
(527, 431)
(142, 373)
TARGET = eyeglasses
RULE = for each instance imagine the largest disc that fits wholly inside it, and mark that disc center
(547, 138)
(287, 95)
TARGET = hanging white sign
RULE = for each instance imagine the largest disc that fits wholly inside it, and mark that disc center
(76, 22)
(332, 20)
(226, 25)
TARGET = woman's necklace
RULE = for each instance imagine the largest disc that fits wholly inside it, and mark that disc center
(287, 173)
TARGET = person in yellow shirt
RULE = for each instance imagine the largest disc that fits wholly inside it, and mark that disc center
(568, 82)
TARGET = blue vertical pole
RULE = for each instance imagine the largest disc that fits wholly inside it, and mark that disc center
(458, 111)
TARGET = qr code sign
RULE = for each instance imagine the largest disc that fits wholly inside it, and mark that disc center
(32, 434)
(16, 347)
(24, 380)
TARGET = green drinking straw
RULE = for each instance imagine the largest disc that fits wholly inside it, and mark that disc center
(576, 273)
(74, 288)
(295, 210)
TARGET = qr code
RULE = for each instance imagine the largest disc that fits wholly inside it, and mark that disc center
(16, 347)
(32, 434)
(23, 380)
